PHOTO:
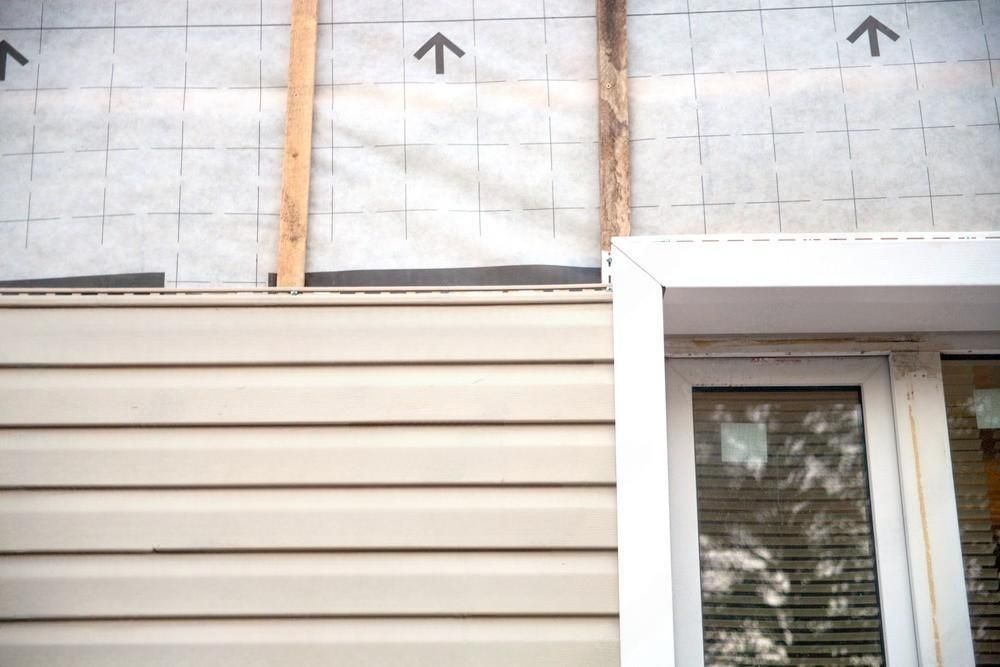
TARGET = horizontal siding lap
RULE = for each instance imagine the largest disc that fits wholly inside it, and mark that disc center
(404, 480)
(343, 519)
(404, 584)
(393, 334)
(556, 642)
(300, 456)
(306, 395)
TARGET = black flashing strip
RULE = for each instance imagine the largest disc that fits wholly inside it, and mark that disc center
(532, 274)
(970, 357)
(112, 281)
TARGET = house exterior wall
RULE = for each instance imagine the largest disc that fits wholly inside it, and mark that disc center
(745, 117)
(652, 284)
(350, 479)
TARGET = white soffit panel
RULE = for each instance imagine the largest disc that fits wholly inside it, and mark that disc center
(777, 284)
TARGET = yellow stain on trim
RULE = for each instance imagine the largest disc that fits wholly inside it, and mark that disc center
(927, 538)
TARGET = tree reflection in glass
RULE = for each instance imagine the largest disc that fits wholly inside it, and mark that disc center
(787, 553)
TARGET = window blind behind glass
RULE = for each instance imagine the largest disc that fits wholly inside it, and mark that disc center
(975, 457)
(787, 554)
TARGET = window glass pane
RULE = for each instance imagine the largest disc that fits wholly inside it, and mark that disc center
(784, 521)
(972, 398)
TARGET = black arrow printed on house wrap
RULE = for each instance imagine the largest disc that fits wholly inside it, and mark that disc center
(439, 42)
(7, 50)
(872, 26)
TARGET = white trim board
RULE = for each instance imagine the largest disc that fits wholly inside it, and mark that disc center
(777, 260)
(661, 286)
(646, 609)
(824, 345)
(823, 284)
(930, 509)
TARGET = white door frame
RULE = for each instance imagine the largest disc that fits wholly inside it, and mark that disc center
(871, 376)
(757, 286)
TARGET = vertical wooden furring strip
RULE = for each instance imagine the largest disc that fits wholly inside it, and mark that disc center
(294, 221)
(615, 159)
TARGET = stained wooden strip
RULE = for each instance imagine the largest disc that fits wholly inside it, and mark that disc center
(306, 395)
(613, 121)
(241, 585)
(455, 642)
(336, 334)
(294, 215)
(335, 519)
(303, 455)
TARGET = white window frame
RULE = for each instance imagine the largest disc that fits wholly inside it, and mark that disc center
(826, 295)
(871, 376)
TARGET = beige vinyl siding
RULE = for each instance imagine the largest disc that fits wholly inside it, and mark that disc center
(297, 335)
(387, 642)
(308, 455)
(425, 517)
(356, 394)
(351, 479)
